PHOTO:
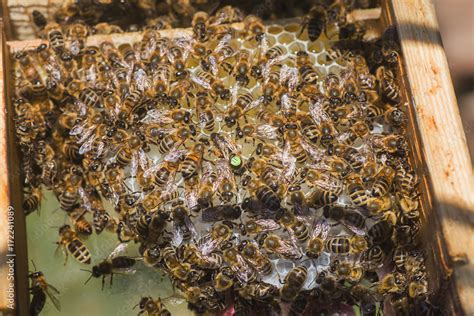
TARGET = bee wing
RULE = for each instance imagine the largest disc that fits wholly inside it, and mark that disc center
(124, 271)
(252, 105)
(153, 168)
(134, 165)
(267, 225)
(223, 42)
(78, 129)
(175, 301)
(52, 296)
(201, 82)
(242, 269)
(208, 245)
(100, 149)
(313, 151)
(159, 116)
(289, 161)
(174, 155)
(85, 199)
(87, 145)
(213, 63)
(191, 197)
(118, 250)
(285, 100)
(142, 82)
(317, 112)
(353, 228)
(190, 225)
(321, 228)
(289, 250)
(234, 90)
(267, 131)
(177, 238)
(142, 159)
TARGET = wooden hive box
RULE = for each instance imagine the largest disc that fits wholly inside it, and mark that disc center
(437, 139)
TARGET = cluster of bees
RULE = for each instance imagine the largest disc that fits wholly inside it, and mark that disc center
(108, 16)
(258, 175)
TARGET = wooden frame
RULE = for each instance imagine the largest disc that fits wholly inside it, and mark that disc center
(439, 147)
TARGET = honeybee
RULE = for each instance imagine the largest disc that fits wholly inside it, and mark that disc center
(357, 191)
(254, 27)
(259, 291)
(350, 217)
(388, 86)
(183, 225)
(32, 200)
(293, 225)
(380, 231)
(224, 279)
(27, 67)
(55, 37)
(39, 19)
(205, 191)
(113, 264)
(298, 200)
(81, 224)
(315, 21)
(152, 307)
(309, 129)
(219, 234)
(245, 103)
(40, 288)
(293, 137)
(294, 282)
(383, 181)
(258, 226)
(373, 258)
(327, 187)
(209, 82)
(251, 253)
(392, 283)
(344, 245)
(190, 253)
(227, 14)
(241, 70)
(273, 243)
(218, 57)
(243, 272)
(221, 212)
(71, 243)
(265, 195)
(348, 271)
(199, 25)
(417, 289)
(173, 140)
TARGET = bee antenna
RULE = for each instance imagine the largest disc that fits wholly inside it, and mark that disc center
(34, 266)
(89, 277)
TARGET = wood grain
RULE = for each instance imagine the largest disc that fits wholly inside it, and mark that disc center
(443, 148)
(4, 189)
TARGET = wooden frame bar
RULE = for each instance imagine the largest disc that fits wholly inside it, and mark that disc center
(10, 198)
(439, 146)
(442, 147)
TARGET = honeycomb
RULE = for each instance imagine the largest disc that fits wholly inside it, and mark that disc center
(226, 161)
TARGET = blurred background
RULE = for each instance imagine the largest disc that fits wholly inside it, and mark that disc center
(456, 22)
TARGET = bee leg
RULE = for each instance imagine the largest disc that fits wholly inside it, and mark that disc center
(111, 279)
(67, 256)
(303, 26)
(103, 282)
